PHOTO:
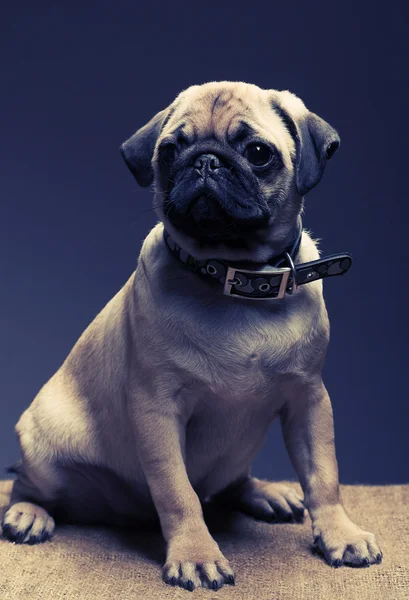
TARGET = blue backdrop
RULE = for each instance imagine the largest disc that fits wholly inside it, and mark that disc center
(79, 78)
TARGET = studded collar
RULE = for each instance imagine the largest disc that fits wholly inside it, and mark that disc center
(267, 281)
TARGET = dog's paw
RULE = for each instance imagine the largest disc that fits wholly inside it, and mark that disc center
(267, 501)
(193, 563)
(342, 542)
(27, 523)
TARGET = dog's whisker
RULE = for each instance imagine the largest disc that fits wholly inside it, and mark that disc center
(134, 217)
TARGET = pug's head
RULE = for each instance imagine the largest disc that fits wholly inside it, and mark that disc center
(231, 164)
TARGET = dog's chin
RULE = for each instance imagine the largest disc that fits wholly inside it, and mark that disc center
(224, 236)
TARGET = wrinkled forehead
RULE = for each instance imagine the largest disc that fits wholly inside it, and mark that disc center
(227, 113)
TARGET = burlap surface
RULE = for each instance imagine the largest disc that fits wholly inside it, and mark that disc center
(271, 562)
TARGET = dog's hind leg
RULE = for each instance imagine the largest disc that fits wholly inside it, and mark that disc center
(264, 500)
(27, 519)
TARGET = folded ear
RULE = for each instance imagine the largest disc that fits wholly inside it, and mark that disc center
(138, 150)
(316, 142)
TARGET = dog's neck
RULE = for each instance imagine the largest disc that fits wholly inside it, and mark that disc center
(273, 279)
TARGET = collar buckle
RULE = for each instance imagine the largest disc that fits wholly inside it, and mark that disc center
(232, 280)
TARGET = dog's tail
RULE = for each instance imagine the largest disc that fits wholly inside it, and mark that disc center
(15, 467)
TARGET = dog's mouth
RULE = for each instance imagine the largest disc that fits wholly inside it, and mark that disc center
(206, 219)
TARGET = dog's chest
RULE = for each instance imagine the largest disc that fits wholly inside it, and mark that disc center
(237, 350)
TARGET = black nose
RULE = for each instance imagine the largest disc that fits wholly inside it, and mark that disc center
(207, 163)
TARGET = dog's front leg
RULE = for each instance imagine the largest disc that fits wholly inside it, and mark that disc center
(193, 557)
(308, 430)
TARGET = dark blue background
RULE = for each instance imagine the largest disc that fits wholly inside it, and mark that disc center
(78, 78)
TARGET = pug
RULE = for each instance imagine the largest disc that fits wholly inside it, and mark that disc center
(164, 401)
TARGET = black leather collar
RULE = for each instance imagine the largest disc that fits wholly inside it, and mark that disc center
(265, 281)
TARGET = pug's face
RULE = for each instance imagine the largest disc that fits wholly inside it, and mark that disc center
(230, 164)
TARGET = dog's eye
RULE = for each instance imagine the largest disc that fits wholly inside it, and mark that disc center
(258, 154)
(167, 153)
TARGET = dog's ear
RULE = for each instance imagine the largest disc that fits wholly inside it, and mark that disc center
(138, 150)
(316, 142)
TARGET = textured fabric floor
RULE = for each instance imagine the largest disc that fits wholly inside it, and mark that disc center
(271, 562)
